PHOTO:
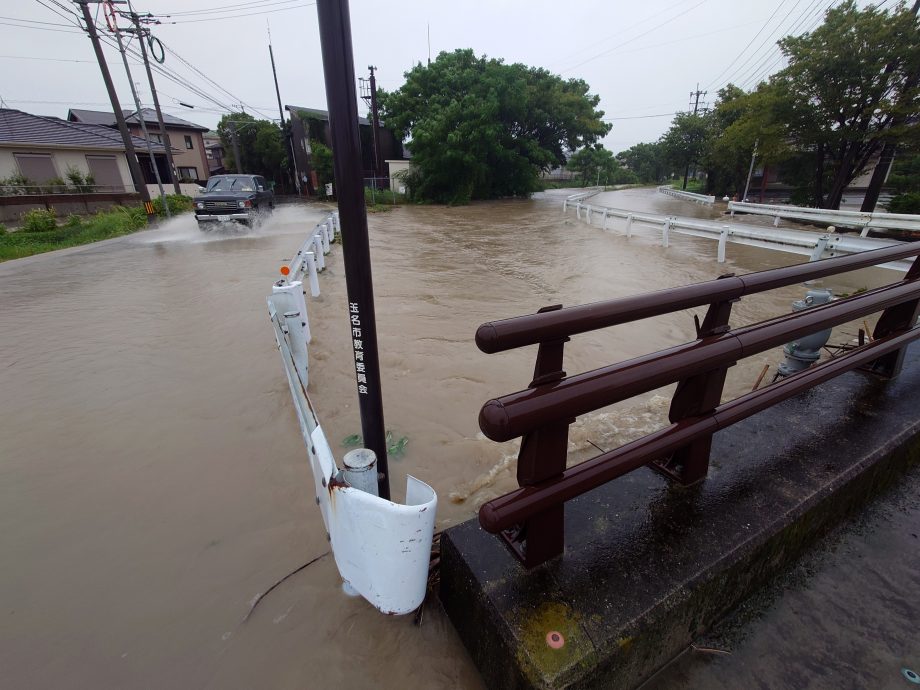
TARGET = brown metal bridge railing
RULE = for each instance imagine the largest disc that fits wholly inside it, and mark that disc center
(531, 518)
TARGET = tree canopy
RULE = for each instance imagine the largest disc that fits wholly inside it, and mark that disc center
(850, 88)
(261, 146)
(482, 129)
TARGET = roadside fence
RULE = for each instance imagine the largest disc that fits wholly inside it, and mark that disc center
(381, 548)
(811, 244)
(704, 199)
(531, 519)
(849, 219)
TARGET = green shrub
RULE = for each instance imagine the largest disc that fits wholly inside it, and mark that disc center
(39, 220)
(177, 203)
(3, 229)
(83, 183)
(73, 220)
(55, 185)
(905, 203)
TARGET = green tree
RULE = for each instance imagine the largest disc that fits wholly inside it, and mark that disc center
(646, 161)
(321, 157)
(596, 164)
(260, 143)
(482, 129)
(851, 85)
(686, 141)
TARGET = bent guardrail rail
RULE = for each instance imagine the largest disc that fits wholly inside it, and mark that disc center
(706, 199)
(850, 219)
(531, 519)
(814, 245)
(381, 548)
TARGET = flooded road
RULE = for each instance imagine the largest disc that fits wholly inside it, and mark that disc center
(154, 480)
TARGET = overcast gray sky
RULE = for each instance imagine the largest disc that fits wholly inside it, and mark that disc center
(642, 58)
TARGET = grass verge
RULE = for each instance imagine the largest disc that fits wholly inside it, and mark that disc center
(37, 238)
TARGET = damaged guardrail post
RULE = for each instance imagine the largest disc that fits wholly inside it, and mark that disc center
(629, 220)
(665, 233)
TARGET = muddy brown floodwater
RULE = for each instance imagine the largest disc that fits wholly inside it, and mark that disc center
(154, 481)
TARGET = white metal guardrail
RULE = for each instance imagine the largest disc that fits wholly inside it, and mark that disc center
(580, 196)
(381, 549)
(814, 245)
(687, 196)
(849, 219)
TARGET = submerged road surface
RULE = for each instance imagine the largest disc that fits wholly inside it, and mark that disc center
(154, 482)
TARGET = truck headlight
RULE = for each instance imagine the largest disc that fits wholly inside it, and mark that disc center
(245, 204)
(200, 205)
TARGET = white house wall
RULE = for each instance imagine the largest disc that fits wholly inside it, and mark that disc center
(62, 161)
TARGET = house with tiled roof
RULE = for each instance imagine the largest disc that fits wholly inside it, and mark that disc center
(43, 149)
(185, 138)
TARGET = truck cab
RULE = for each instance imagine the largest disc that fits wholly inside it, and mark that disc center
(244, 199)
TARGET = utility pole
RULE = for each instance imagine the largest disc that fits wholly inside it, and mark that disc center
(375, 121)
(369, 96)
(236, 147)
(140, 33)
(284, 135)
(339, 73)
(750, 172)
(133, 164)
(140, 114)
(696, 106)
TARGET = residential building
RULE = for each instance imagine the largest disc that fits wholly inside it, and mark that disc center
(311, 124)
(45, 149)
(214, 152)
(186, 139)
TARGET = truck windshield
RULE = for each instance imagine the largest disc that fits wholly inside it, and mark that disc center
(230, 184)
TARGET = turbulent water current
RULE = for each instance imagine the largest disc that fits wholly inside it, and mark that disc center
(154, 480)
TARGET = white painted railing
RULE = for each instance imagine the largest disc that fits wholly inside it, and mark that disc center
(814, 245)
(687, 196)
(310, 258)
(381, 548)
(849, 219)
(580, 196)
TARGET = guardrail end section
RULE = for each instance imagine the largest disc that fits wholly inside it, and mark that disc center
(382, 549)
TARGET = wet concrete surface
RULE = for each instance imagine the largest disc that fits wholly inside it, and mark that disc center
(648, 567)
(845, 616)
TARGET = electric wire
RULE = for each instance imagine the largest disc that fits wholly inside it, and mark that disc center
(585, 49)
(743, 50)
(634, 38)
(237, 16)
(239, 7)
(756, 55)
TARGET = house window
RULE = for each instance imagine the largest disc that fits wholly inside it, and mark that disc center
(188, 142)
(37, 167)
(190, 173)
(158, 138)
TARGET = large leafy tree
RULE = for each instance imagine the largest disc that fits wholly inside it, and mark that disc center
(646, 160)
(595, 164)
(851, 86)
(481, 129)
(686, 142)
(261, 146)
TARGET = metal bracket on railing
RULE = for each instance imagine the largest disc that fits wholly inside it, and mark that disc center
(896, 319)
(695, 396)
(542, 456)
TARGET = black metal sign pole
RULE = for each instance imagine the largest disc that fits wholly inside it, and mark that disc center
(339, 71)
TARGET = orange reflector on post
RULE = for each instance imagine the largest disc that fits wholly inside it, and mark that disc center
(285, 270)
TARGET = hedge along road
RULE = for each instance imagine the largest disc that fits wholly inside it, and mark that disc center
(155, 481)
